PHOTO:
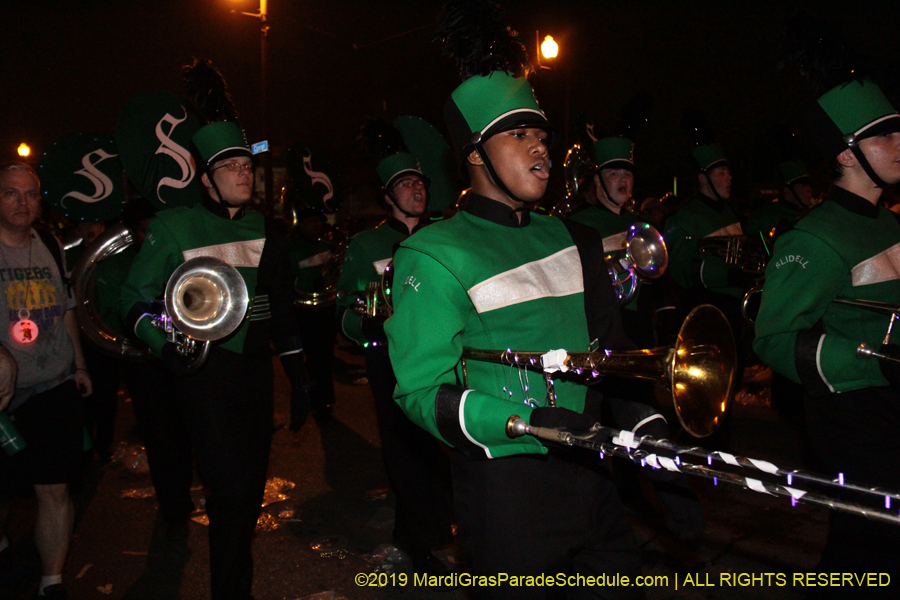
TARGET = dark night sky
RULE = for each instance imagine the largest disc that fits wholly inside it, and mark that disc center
(70, 66)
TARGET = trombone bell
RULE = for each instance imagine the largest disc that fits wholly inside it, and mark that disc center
(698, 371)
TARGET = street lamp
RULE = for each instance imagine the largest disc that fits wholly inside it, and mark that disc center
(24, 150)
(263, 16)
(549, 48)
(546, 50)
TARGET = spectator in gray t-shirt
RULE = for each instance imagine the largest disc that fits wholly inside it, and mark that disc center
(38, 327)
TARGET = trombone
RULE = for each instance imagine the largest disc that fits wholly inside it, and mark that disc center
(751, 473)
(863, 351)
(698, 371)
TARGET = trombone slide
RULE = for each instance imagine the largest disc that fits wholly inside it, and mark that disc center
(626, 446)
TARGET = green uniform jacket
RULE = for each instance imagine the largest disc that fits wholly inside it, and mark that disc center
(844, 248)
(701, 217)
(367, 255)
(307, 258)
(765, 218)
(482, 280)
(614, 229)
(179, 234)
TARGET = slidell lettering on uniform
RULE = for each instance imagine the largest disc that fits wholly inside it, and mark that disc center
(791, 258)
(411, 282)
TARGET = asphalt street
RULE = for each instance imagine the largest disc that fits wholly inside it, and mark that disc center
(327, 523)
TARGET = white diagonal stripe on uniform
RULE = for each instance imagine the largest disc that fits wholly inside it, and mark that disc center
(314, 261)
(884, 266)
(733, 229)
(554, 276)
(380, 265)
(236, 254)
(614, 242)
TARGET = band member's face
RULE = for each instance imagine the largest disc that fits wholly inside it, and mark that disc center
(521, 161)
(721, 180)
(619, 183)
(234, 177)
(410, 195)
(20, 199)
(804, 193)
(883, 154)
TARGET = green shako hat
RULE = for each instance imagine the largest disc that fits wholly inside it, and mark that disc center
(851, 112)
(485, 105)
(792, 171)
(614, 153)
(220, 140)
(397, 165)
(709, 156)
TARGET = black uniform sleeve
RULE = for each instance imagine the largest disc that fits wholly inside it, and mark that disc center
(276, 280)
(601, 309)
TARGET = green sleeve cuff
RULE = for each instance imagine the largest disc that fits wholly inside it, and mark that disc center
(150, 335)
(844, 370)
(351, 326)
(485, 418)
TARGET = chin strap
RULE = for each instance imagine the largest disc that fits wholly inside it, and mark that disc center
(853, 144)
(222, 200)
(712, 187)
(608, 196)
(486, 160)
(393, 198)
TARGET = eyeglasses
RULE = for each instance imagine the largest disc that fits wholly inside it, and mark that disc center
(409, 183)
(236, 167)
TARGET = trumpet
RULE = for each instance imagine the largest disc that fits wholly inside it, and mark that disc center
(698, 371)
(738, 251)
(376, 299)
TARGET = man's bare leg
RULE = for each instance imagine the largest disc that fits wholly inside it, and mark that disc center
(53, 527)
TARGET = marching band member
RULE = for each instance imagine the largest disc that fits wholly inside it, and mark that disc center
(796, 200)
(308, 254)
(847, 247)
(706, 214)
(416, 466)
(497, 276)
(613, 185)
(228, 402)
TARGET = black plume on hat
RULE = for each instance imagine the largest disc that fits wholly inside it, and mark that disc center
(208, 92)
(697, 127)
(635, 115)
(380, 139)
(822, 53)
(474, 34)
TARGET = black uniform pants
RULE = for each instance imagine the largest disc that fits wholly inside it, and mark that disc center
(858, 434)
(531, 514)
(101, 406)
(417, 468)
(162, 427)
(228, 408)
(318, 331)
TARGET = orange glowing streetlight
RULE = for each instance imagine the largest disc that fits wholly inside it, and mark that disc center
(24, 150)
(549, 47)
